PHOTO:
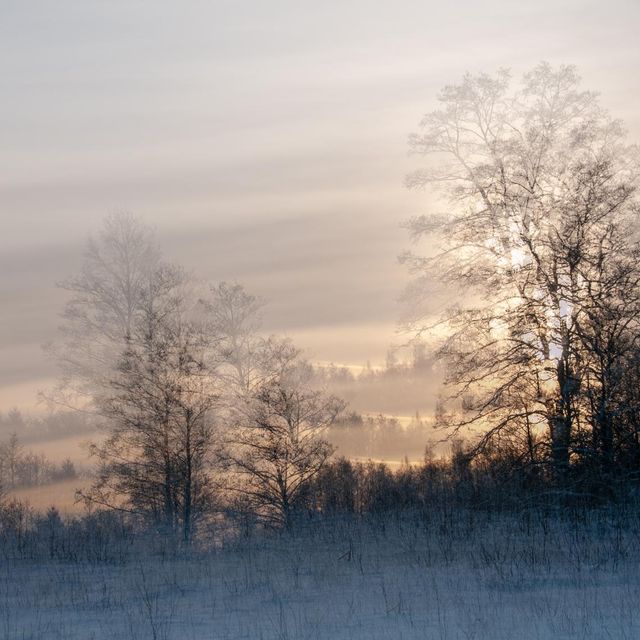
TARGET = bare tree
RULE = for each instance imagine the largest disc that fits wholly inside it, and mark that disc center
(277, 447)
(233, 315)
(160, 404)
(171, 371)
(539, 236)
(105, 298)
(138, 357)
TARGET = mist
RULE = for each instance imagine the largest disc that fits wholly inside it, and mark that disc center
(324, 313)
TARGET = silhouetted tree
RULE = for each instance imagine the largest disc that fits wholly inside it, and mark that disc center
(159, 403)
(277, 445)
(539, 236)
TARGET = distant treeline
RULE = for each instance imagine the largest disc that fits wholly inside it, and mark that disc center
(493, 480)
(380, 437)
(57, 424)
(400, 387)
(21, 468)
(441, 496)
(354, 434)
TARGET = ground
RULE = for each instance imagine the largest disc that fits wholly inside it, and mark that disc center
(444, 577)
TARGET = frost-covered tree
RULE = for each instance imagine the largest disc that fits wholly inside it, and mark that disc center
(538, 241)
(160, 405)
(277, 445)
(233, 316)
(104, 300)
(135, 353)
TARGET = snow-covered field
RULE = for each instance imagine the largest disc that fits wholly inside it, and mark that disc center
(447, 576)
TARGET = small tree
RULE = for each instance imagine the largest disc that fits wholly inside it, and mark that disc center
(277, 446)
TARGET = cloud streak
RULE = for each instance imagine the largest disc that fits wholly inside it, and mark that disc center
(266, 141)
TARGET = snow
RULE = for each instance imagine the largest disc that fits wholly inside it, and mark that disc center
(444, 577)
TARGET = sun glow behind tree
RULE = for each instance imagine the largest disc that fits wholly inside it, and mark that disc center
(538, 237)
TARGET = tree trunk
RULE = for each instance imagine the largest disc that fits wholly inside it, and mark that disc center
(187, 490)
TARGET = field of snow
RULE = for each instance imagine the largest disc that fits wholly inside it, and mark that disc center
(446, 576)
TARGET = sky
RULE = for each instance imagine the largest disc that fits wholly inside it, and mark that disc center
(265, 141)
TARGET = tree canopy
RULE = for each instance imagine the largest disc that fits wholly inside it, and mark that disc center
(538, 238)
